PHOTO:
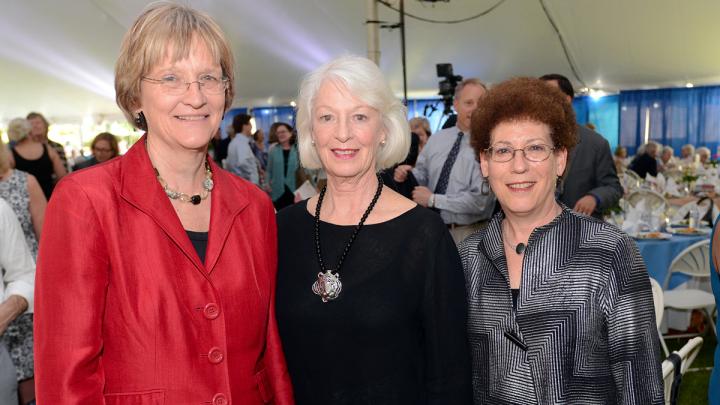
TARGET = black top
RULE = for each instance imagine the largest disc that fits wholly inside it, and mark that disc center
(199, 241)
(41, 168)
(396, 334)
(515, 292)
(643, 165)
(286, 156)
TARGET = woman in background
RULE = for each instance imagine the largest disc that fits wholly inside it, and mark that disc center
(282, 166)
(104, 147)
(34, 157)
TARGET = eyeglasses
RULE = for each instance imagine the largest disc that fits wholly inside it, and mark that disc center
(171, 84)
(534, 153)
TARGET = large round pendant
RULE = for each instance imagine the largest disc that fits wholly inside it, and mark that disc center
(327, 286)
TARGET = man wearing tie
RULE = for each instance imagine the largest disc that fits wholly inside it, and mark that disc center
(448, 172)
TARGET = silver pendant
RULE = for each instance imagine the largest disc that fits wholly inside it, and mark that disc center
(327, 286)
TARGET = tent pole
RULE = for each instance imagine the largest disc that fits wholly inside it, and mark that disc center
(373, 31)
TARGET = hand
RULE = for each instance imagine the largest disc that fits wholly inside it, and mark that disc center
(421, 195)
(586, 205)
(10, 309)
(401, 173)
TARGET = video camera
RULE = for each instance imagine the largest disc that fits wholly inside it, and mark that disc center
(448, 85)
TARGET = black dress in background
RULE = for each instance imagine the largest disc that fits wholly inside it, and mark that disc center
(396, 335)
(41, 168)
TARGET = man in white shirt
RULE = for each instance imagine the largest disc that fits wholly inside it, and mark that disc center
(240, 157)
(448, 172)
(16, 291)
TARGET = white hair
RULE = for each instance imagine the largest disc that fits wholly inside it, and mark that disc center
(668, 149)
(18, 129)
(363, 80)
(703, 150)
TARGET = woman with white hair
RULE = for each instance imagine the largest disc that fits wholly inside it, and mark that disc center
(33, 156)
(363, 320)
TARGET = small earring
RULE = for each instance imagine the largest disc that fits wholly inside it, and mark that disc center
(140, 121)
(312, 142)
(382, 142)
(485, 187)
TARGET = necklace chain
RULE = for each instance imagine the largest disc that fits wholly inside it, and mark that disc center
(194, 199)
(519, 248)
(355, 232)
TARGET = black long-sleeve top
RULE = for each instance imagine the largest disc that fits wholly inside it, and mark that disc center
(396, 334)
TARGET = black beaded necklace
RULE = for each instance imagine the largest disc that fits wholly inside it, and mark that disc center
(328, 285)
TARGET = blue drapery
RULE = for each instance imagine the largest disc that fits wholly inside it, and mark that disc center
(601, 112)
(677, 116)
(671, 117)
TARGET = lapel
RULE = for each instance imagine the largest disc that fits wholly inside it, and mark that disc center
(140, 188)
(492, 246)
(228, 200)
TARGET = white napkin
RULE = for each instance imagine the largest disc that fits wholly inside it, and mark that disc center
(633, 215)
(661, 183)
(671, 188)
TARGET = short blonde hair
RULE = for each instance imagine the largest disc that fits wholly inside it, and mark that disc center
(163, 24)
(18, 129)
(421, 122)
(364, 80)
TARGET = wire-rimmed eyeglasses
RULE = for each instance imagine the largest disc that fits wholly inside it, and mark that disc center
(176, 86)
(536, 152)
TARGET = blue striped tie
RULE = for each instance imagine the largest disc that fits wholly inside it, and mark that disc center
(442, 183)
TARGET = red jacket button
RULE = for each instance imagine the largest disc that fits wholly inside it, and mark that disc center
(220, 399)
(211, 311)
(215, 355)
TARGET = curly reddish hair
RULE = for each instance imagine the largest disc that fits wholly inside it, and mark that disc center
(524, 99)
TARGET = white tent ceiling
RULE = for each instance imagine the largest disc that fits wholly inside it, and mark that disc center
(57, 57)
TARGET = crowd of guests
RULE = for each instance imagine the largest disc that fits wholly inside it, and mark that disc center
(469, 265)
(653, 158)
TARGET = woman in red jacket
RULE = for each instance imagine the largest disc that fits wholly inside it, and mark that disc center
(156, 274)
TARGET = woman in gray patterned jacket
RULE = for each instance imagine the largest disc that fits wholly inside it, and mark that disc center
(560, 304)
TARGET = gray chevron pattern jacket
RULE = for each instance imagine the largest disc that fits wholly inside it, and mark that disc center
(584, 329)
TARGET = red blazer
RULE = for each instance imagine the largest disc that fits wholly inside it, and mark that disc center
(125, 312)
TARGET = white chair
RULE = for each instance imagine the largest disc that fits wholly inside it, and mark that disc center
(687, 355)
(659, 310)
(653, 199)
(694, 262)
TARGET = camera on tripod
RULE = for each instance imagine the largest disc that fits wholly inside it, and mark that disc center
(448, 85)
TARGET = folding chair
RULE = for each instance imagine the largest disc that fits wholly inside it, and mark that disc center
(694, 261)
(659, 310)
(676, 365)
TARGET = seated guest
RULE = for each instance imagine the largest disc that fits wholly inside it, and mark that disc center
(156, 271)
(560, 304)
(282, 165)
(687, 154)
(16, 293)
(104, 147)
(620, 157)
(667, 160)
(703, 155)
(645, 162)
(384, 321)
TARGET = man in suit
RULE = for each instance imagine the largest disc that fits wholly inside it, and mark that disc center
(591, 184)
